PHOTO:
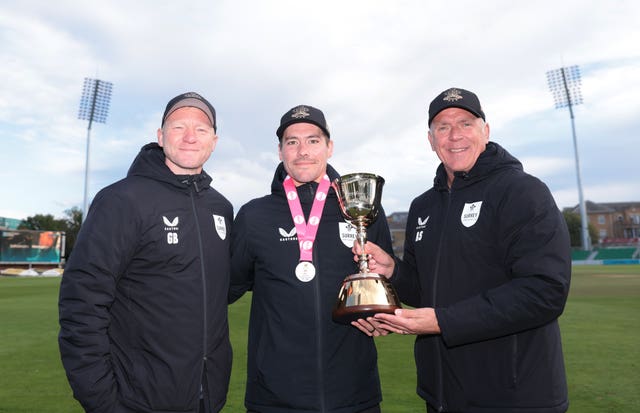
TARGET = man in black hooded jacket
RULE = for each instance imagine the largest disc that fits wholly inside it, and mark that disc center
(487, 264)
(143, 306)
(299, 360)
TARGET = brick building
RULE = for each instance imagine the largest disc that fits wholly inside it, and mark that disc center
(616, 222)
(397, 225)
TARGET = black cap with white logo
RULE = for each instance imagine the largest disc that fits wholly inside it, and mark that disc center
(303, 114)
(191, 99)
(456, 98)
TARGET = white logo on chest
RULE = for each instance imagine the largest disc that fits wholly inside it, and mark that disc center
(348, 233)
(470, 213)
(171, 228)
(220, 225)
(287, 236)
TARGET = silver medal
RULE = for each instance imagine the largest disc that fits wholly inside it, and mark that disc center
(305, 271)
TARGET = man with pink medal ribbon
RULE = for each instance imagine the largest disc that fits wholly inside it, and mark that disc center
(292, 250)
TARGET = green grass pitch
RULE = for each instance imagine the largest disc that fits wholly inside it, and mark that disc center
(600, 329)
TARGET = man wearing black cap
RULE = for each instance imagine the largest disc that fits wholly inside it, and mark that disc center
(292, 248)
(143, 306)
(487, 265)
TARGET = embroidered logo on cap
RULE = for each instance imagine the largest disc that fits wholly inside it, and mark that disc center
(192, 95)
(452, 95)
(300, 112)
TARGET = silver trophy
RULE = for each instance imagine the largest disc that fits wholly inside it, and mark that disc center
(365, 293)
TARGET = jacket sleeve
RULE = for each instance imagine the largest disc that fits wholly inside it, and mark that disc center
(87, 290)
(537, 257)
(242, 261)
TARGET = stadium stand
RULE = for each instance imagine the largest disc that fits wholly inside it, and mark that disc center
(579, 255)
(616, 253)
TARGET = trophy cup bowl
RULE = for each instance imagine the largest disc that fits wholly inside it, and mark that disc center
(365, 293)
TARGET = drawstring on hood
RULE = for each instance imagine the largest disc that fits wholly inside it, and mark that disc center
(189, 180)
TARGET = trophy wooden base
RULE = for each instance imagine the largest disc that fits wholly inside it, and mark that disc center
(363, 295)
(346, 315)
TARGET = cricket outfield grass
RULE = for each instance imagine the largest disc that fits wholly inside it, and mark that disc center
(600, 330)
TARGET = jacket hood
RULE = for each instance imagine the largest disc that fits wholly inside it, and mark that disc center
(150, 163)
(493, 158)
(307, 188)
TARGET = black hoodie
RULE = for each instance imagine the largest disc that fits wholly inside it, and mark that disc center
(492, 255)
(299, 360)
(143, 299)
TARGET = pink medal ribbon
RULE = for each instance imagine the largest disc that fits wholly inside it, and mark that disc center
(305, 271)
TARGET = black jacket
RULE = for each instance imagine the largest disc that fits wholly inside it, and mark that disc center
(299, 360)
(492, 255)
(143, 299)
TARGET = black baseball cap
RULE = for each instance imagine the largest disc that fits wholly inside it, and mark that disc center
(303, 114)
(191, 99)
(456, 98)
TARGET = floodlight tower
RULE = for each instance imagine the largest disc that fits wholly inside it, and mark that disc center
(94, 107)
(564, 83)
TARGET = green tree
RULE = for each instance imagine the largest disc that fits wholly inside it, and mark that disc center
(73, 221)
(574, 223)
(40, 222)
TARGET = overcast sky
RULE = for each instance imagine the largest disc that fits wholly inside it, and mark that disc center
(371, 66)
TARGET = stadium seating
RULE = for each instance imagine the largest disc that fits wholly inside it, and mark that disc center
(615, 253)
(580, 255)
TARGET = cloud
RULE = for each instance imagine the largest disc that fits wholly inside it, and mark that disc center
(371, 66)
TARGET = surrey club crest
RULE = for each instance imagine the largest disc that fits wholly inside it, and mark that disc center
(300, 112)
(221, 227)
(470, 213)
(452, 95)
(348, 233)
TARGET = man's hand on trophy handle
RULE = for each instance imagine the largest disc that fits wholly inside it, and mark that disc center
(379, 261)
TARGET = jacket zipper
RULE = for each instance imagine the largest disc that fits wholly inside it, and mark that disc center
(204, 286)
(434, 296)
(514, 361)
(320, 370)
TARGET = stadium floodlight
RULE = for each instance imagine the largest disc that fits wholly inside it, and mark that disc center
(94, 107)
(564, 83)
